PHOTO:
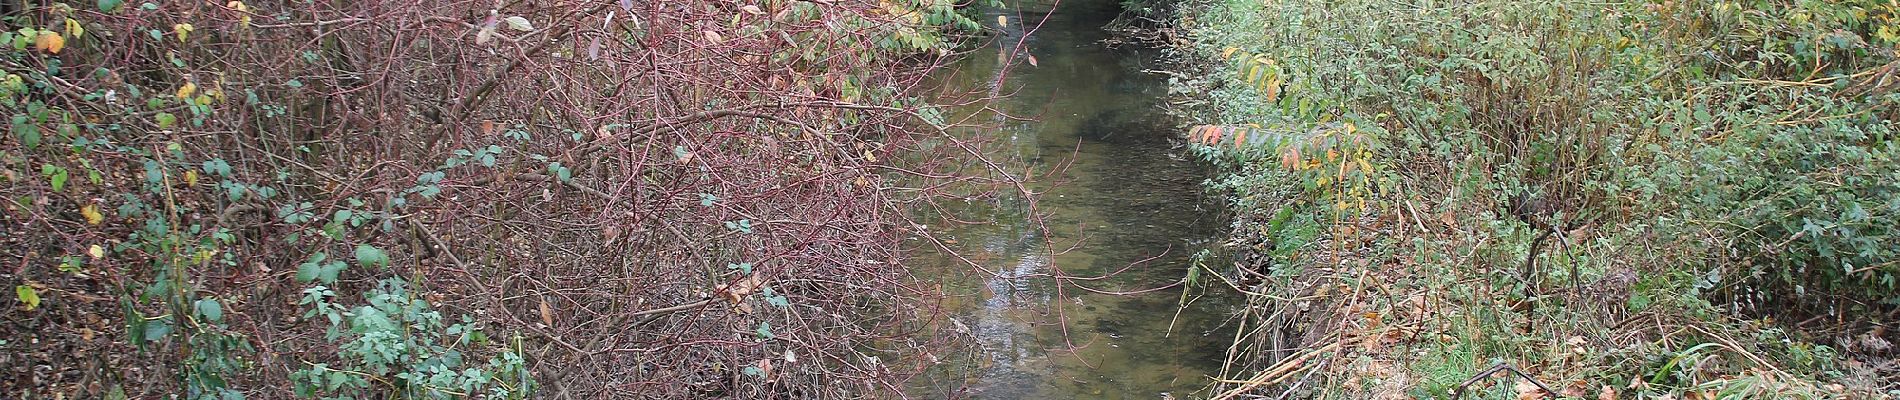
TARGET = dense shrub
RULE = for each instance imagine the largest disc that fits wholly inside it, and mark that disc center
(425, 199)
(1770, 123)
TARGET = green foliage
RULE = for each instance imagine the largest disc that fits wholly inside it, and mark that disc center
(1761, 122)
(407, 349)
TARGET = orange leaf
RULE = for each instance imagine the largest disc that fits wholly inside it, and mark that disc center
(51, 42)
(547, 313)
(1290, 158)
(1240, 137)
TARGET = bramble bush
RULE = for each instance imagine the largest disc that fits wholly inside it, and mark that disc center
(266, 198)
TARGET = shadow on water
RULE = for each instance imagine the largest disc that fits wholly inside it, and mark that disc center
(1126, 193)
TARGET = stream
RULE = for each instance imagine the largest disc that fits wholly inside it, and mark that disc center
(1124, 191)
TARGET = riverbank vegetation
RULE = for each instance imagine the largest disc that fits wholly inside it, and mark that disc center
(1687, 199)
(400, 199)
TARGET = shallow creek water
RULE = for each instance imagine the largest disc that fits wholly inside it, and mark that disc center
(1125, 192)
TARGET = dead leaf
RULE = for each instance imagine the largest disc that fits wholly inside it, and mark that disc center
(1528, 391)
(737, 291)
(519, 23)
(765, 368)
(1573, 391)
(547, 313)
(1608, 393)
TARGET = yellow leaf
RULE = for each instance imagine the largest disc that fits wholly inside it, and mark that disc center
(870, 157)
(191, 178)
(183, 31)
(91, 212)
(51, 42)
(74, 29)
(1229, 52)
(1002, 21)
(237, 5)
(96, 252)
(184, 92)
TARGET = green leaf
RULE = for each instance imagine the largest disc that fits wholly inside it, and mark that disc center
(315, 269)
(27, 295)
(368, 255)
(166, 120)
(307, 272)
(211, 310)
(157, 329)
(29, 133)
(217, 166)
(773, 298)
(110, 5)
(765, 330)
(57, 175)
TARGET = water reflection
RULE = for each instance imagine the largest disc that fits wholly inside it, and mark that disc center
(1124, 191)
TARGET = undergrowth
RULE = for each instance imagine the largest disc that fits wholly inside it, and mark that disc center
(1674, 199)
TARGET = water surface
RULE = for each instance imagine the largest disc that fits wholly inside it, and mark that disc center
(1124, 191)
